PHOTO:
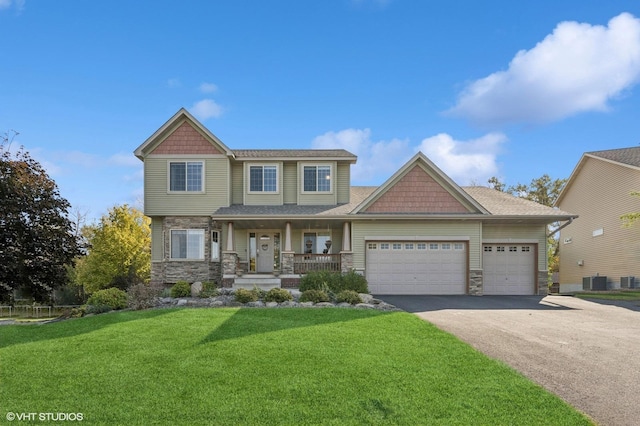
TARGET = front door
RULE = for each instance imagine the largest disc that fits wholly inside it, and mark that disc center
(265, 253)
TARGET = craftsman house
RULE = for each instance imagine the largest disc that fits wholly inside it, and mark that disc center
(597, 252)
(265, 217)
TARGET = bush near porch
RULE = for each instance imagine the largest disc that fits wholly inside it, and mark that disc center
(334, 282)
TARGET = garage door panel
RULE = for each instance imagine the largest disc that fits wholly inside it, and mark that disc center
(416, 268)
(508, 269)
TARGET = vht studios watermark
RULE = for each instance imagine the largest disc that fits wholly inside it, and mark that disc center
(45, 417)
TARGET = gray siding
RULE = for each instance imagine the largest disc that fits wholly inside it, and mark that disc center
(159, 202)
(290, 183)
(600, 194)
(157, 239)
(237, 184)
(343, 183)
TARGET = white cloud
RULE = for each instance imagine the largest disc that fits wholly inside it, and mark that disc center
(206, 108)
(577, 68)
(466, 162)
(377, 161)
(5, 4)
(208, 88)
(174, 83)
(126, 160)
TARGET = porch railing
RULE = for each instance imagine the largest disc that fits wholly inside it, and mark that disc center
(303, 263)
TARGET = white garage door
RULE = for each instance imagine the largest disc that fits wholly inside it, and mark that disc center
(508, 269)
(421, 267)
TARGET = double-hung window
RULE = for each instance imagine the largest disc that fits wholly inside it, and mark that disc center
(187, 244)
(186, 176)
(317, 178)
(263, 179)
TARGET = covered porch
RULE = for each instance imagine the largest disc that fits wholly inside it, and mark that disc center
(278, 252)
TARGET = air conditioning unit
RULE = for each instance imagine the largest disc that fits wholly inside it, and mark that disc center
(594, 283)
(628, 282)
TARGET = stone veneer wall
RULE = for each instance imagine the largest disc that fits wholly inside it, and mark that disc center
(346, 261)
(543, 283)
(170, 271)
(475, 282)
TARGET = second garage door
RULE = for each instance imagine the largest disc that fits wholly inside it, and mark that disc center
(422, 267)
(508, 269)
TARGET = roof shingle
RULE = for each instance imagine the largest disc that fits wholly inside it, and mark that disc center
(629, 156)
(293, 153)
(504, 204)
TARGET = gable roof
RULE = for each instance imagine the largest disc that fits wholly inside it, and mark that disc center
(173, 124)
(419, 187)
(625, 157)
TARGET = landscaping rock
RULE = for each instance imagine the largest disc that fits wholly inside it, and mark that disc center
(365, 306)
(271, 304)
(290, 304)
(181, 302)
(306, 304)
(366, 298)
(344, 305)
(324, 305)
(216, 304)
(258, 304)
(295, 294)
(196, 289)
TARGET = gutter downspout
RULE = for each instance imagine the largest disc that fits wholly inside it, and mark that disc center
(567, 223)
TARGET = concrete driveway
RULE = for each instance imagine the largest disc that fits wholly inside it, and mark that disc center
(585, 352)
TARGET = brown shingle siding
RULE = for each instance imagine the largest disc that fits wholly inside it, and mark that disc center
(185, 140)
(417, 192)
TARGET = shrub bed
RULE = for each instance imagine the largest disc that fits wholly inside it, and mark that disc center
(114, 298)
(334, 282)
(181, 289)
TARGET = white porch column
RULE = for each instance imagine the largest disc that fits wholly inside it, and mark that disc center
(287, 237)
(230, 237)
(346, 237)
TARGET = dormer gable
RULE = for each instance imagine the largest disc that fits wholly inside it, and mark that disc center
(419, 187)
(182, 134)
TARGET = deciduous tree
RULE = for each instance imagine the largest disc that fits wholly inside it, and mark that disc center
(36, 236)
(631, 218)
(542, 190)
(119, 250)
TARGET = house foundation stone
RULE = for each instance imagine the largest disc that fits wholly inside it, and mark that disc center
(475, 282)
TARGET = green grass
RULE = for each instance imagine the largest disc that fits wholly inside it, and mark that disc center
(263, 366)
(630, 295)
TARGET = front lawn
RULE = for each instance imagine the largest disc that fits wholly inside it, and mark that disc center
(263, 366)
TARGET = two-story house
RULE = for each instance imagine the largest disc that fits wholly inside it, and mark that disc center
(265, 217)
(598, 245)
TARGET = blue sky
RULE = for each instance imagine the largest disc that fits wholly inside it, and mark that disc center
(491, 88)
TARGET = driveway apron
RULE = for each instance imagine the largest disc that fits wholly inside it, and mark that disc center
(585, 352)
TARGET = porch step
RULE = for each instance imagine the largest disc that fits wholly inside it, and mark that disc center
(263, 282)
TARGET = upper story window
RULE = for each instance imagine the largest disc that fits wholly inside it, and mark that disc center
(186, 176)
(263, 179)
(317, 178)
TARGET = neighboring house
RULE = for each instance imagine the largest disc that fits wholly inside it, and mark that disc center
(265, 217)
(599, 190)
